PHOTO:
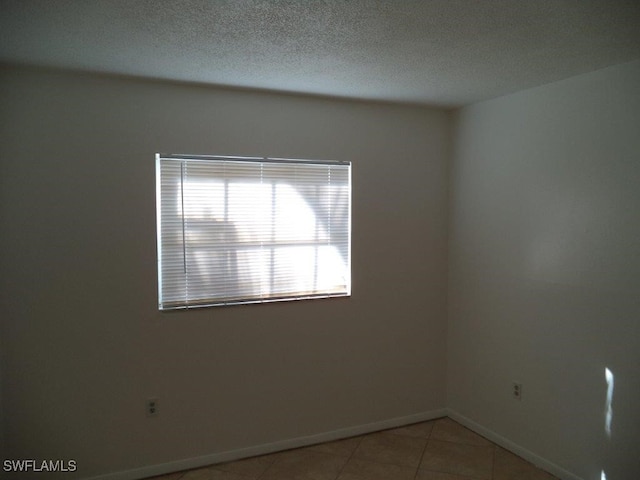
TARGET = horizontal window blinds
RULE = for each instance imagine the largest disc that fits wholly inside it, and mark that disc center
(234, 230)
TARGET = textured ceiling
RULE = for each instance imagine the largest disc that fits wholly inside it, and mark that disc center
(439, 52)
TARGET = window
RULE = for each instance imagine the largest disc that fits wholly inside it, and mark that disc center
(245, 230)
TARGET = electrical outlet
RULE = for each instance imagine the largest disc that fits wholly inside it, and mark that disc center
(152, 407)
(517, 391)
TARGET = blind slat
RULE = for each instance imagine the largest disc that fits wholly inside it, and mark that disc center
(244, 231)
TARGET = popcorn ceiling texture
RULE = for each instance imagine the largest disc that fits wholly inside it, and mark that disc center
(439, 52)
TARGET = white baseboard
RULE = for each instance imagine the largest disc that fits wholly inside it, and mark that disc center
(538, 461)
(265, 448)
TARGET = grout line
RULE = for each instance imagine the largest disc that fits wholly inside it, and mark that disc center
(424, 450)
(360, 437)
(428, 439)
(493, 459)
(266, 469)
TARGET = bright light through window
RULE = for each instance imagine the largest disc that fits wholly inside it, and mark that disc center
(234, 230)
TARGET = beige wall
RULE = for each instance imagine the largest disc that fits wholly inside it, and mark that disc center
(83, 344)
(545, 270)
(543, 275)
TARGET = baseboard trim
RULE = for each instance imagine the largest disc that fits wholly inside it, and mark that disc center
(528, 455)
(230, 455)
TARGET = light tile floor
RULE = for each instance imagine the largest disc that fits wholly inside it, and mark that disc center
(436, 450)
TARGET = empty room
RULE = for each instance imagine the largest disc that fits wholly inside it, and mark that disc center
(320, 240)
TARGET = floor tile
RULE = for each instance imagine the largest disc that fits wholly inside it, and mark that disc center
(447, 430)
(391, 448)
(168, 476)
(198, 474)
(303, 464)
(508, 466)
(220, 475)
(365, 470)
(426, 475)
(250, 467)
(457, 458)
(421, 430)
(344, 447)
(435, 450)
